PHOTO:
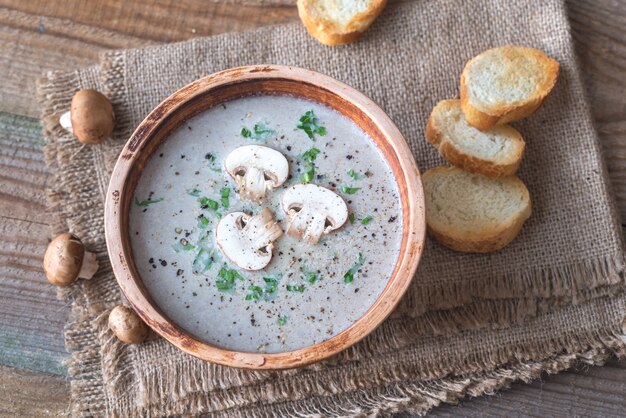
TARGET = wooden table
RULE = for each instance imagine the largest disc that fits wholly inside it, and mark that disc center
(40, 35)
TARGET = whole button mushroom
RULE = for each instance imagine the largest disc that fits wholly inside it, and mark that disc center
(66, 260)
(256, 169)
(127, 326)
(90, 118)
(313, 210)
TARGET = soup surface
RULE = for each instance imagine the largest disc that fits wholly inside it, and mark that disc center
(307, 293)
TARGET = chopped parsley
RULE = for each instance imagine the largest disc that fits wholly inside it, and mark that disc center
(206, 203)
(355, 175)
(282, 320)
(294, 288)
(349, 276)
(193, 192)
(204, 257)
(258, 132)
(224, 193)
(349, 190)
(310, 155)
(366, 220)
(309, 160)
(203, 261)
(271, 285)
(256, 293)
(209, 203)
(311, 278)
(226, 278)
(147, 202)
(351, 217)
(310, 125)
(203, 222)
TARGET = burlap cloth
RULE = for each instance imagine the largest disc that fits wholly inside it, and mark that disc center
(469, 324)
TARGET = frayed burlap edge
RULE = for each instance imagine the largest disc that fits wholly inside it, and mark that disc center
(348, 395)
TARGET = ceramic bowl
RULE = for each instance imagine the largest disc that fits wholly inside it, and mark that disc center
(223, 87)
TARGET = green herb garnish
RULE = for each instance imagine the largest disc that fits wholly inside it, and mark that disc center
(309, 157)
(271, 285)
(203, 222)
(311, 278)
(256, 293)
(203, 261)
(226, 278)
(294, 288)
(147, 202)
(224, 193)
(355, 175)
(349, 190)
(193, 192)
(310, 125)
(351, 217)
(259, 132)
(366, 220)
(349, 276)
(282, 320)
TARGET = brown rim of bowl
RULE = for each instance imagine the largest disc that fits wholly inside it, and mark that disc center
(222, 87)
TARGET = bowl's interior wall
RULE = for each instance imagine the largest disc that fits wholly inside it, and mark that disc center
(189, 102)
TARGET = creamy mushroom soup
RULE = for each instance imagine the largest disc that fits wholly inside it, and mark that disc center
(323, 243)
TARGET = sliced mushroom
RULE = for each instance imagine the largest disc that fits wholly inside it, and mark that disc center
(256, 169)
(90, 117)
(66, 260)
(313, 210)
(248, 240)
(127, 326)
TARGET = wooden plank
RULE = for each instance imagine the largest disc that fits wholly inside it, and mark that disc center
(598, 29)
(31, 317)
(39, 35)
(31, 394)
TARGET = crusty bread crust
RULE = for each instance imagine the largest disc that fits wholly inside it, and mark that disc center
(484, 118)
(469, 162)
(329, 33)
(484, 241)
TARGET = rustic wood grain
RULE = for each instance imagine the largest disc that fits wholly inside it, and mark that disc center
(27, 394)
(31, 317)
(40, 35)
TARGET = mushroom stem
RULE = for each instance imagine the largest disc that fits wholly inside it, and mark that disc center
(89, 266)
(307, 225)
(252, 185)
(262, 230)
(66, 121)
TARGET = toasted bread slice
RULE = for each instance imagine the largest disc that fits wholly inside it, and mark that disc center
(338, 22)
(505, 84)
(493, 153)
(473, 213)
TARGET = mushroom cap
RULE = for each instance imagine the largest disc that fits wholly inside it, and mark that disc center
(127, 326)
(63, 259)
(313, 211)
(92, 116)
(256, 168)
(247, 240)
